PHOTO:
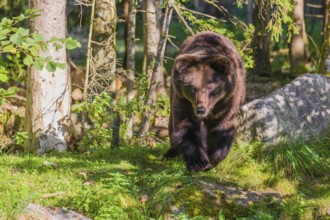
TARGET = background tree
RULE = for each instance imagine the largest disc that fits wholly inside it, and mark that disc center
(130, 51)
(103, 60)
(48, 91)
(152, 15)
(299, 40)
(324, 66)
(157, 70)
(261, 40)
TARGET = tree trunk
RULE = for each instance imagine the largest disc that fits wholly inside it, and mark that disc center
(157, 70)
(49, 93)
(104, 48)
(126, 14)
(297, 44)
(261, 40)
(152, 33)
(324, 67)
(249, 12)
(131, 21)
(103, 62)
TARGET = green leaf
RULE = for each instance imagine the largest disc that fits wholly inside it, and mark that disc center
(71, 44)
(3, 77)
(6, 22)
(61, 65)
(2, 37)
(22, 31)
(34, 51)
(38, 64)
(53, 40)
(10, 48)
(43, 46)
(16, 39)
(30, 41)
(25, 46)
(51, 66)
(4, 32)
(37, 37)
(19, 18)
(4, 43)
(57, 46)
(28, 60)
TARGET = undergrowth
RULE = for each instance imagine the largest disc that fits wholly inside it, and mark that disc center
(133, 182)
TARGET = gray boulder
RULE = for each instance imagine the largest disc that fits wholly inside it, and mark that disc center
(300, 109)
(38, 212)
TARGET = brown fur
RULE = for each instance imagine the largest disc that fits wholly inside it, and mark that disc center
(207, 90)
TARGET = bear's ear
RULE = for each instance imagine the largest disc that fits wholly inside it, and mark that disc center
(219, 63)
(183, 61)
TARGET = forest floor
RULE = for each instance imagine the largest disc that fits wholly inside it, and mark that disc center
(135, 183)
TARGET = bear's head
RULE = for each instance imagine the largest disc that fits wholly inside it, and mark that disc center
(204, 80)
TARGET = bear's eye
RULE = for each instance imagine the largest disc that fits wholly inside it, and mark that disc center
(215, 90)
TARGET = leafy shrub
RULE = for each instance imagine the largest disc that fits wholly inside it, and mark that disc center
(23, 49)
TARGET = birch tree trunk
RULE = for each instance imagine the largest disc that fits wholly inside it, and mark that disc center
(261, 40)
(131, 21)
(152, 33)
(157, 70)
(297, 44)
(48, 93)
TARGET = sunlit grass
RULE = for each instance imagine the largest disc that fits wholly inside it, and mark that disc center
(135, 183)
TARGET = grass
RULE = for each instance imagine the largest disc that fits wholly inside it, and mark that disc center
(134, 183)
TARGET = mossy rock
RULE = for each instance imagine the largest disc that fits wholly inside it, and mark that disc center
(210, 200)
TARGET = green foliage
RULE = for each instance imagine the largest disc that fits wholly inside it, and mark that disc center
(112, 200)
(17, 41)
(14, 40)
(21, 138)
(281, 15)
(280, 18)
(101, 114)
(6, 93)
(295, 207)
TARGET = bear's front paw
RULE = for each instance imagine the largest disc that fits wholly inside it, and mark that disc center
(172, 152)
(198, 161)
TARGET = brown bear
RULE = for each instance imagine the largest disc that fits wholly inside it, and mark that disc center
(207, 90)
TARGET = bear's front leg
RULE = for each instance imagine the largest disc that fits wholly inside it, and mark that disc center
(191, 142)
(219, 142)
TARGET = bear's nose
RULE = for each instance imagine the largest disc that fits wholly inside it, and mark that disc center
(200, 110)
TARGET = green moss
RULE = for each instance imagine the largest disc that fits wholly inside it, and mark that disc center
(194, 202)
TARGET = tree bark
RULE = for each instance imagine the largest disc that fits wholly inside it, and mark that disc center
(49, 93)
(152, 33)
(157, 70)
(131, 21)
(261, 40)
(104, 47)
(324, 66)
(297, 44)
(126, 14)
(249, 12)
